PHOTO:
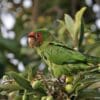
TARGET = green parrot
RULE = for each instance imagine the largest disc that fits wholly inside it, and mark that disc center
(61, 60)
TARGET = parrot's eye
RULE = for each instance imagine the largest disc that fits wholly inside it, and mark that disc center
(38, 35)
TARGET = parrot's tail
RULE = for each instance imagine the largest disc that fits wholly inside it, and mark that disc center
(92, 59)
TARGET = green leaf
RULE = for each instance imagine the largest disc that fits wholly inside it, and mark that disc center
(89, 94)
(69, 22)
(87, 81)
(62, 27)
(9, 87)
(78, 19)
(61, 30)
(81, 37)
(10, 45)
(20, 80)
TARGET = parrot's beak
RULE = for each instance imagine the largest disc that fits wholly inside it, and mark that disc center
(31, 42)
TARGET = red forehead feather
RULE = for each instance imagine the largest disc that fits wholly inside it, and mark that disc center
(31, 34)
(40, 38)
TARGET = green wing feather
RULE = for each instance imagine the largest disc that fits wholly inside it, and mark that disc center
(60, 54)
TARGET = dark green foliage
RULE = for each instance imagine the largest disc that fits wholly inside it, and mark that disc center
(2, 67)
(20, 80)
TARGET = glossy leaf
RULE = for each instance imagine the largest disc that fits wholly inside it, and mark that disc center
(81, 36)
(78, 19)
(69, 22)
(20, 80)
(89, 94)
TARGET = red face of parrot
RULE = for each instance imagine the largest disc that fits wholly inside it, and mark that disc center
(34, 39)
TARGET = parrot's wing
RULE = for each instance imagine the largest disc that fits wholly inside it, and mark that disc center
(60, 54)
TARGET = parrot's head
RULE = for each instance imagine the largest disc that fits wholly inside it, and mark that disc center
(36, 38)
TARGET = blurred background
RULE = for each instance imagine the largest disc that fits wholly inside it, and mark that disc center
(18, 17)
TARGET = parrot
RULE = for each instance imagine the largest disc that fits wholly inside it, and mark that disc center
(61, 59)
